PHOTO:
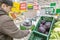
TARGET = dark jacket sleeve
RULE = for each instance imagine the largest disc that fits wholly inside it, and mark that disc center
(10, 29)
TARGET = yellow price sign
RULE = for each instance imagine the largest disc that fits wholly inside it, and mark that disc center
(16, 4)
(15, 10)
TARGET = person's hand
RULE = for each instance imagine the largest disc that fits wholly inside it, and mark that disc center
(26, 32)
(30, 31)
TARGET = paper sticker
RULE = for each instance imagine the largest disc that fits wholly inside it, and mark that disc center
(23, 6)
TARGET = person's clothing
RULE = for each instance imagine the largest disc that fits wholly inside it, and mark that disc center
(8, 30)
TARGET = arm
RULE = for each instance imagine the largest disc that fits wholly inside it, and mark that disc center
(10, 29)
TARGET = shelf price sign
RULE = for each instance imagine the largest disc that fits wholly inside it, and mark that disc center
(30, 6)
(23, 6)
(36, 7)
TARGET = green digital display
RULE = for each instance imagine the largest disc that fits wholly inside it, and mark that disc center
(52, 4)
(58, 10)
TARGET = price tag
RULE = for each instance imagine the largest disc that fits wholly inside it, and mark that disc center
(30, 6)
(36, 7)
(23, 6)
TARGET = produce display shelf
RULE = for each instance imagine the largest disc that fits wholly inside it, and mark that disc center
(35, 36)
(36, 32)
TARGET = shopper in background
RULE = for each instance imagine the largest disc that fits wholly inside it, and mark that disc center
(8, 30)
